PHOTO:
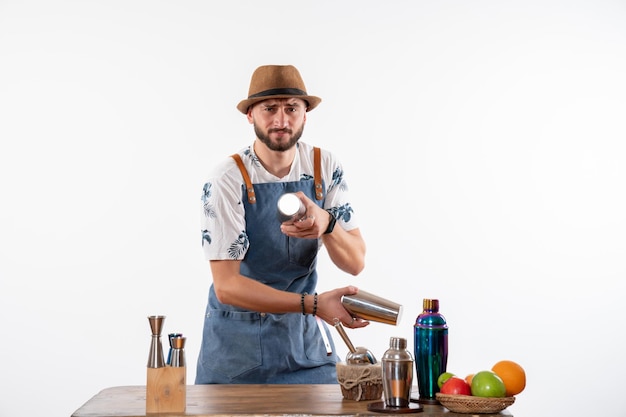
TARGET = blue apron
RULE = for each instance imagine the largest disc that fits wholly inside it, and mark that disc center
(241, 346)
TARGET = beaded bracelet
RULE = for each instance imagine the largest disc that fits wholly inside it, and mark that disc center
(302, 302)
(315, 304)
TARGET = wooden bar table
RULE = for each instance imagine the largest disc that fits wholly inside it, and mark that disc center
(247, 400)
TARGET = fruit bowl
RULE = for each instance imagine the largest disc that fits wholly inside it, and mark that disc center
(473, 404)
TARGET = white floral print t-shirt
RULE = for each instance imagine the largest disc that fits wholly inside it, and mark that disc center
(223, 221)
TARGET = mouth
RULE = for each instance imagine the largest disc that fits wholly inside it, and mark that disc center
(280, 131)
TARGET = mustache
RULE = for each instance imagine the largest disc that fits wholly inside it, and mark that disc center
(284, 130)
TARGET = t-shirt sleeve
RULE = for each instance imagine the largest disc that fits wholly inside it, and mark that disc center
(337, 193)
(223, 215)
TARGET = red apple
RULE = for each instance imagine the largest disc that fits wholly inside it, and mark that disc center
(456, 386)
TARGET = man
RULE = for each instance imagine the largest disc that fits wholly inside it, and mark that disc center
(262, 321)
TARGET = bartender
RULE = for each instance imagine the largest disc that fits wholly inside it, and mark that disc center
(265, 321)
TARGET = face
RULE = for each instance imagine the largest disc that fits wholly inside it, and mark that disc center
(278, 123)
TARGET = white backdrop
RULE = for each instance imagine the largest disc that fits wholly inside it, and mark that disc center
(483, 142)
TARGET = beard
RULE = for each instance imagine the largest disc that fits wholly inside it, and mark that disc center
(278, 146)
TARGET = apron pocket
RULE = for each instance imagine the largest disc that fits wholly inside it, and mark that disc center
(302, 251)
(232, 342)
(314, 347)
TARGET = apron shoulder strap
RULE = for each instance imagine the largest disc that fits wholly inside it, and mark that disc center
(317, 173)
(246, 178)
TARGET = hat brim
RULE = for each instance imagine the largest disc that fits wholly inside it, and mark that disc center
(244, 105)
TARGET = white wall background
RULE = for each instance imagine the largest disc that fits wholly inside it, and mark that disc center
(484, 141)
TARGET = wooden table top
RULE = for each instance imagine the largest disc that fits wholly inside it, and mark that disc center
(246, 400)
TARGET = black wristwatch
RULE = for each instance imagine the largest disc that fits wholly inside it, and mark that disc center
(331, 223)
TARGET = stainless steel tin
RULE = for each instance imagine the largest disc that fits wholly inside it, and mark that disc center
(372, 307)
(290, 208)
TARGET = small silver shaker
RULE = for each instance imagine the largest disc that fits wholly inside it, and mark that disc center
(290, 208)
(397, 370)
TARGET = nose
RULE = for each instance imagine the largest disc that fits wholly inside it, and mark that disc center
(280, 119)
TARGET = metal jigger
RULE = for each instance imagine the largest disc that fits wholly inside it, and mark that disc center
(178, 352)
(169, 338)
(155, 358)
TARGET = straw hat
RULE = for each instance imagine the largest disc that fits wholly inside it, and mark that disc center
(276, 81)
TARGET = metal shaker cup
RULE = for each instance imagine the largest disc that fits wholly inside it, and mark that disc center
(290, 208)
(372, 307)
(397, 370)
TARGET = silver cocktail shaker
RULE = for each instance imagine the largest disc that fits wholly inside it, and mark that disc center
(397, 369)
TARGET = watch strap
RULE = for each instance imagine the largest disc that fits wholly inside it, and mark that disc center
(331, 223)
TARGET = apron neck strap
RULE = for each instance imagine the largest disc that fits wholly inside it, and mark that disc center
(246, 178)
(317, 175)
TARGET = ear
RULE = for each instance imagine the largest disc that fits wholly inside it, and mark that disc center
(249, 115)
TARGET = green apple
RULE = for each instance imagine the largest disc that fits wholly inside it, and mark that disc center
(443, 378)
(488, 384)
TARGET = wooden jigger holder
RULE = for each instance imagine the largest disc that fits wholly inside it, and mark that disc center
(166, 390)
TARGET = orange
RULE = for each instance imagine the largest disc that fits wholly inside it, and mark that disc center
(469, 378)
(513, 376)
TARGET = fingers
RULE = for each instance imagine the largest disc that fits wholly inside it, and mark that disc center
(356, 323)
(305, 227)
(306, 222)
(331, 309)
(353, 323)
(350, 290)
